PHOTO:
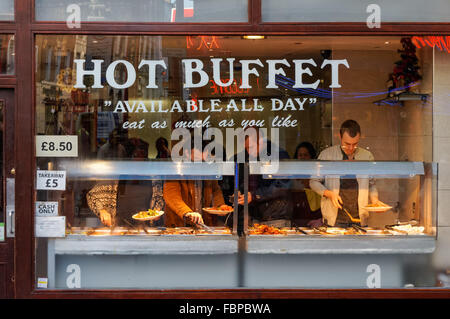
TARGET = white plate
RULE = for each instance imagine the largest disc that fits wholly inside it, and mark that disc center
(378, 209)
(160, 213)
(217, 211)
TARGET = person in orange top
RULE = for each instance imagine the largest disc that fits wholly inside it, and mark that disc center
(186, 198)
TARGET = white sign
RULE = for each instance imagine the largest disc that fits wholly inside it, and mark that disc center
(50, 226)
(51, 180)
(46, 209)
(56, 145)
(42, 282)
(2, 231)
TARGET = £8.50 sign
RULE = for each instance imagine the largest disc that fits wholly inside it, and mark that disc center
(56, 146)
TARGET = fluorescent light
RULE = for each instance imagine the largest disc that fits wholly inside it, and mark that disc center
(253, 37)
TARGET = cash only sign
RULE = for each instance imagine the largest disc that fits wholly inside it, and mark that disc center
(195, 76)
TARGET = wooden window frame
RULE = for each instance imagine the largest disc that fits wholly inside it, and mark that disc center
(26, 28)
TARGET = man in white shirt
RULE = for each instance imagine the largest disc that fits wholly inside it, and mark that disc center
(354, 193)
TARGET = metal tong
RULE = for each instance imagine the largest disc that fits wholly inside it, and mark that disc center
(389, 227)
(354, 220)
(134, 227)
(297, 229)
(207, 228)
(199, 225)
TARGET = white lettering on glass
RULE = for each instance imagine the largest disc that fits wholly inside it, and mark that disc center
(374, 19)
(74, 18)
(374, 279)
(194, 71)
(74, 279)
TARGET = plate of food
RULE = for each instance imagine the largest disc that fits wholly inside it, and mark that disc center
(377, 207)
(218, 211)
(148, 215)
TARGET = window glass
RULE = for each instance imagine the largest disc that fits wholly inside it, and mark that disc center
(142, 11)
(7, 53)
(115, 116)
(355, 11)
(7, 10)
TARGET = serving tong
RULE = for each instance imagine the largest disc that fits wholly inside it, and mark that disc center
(390, 227)
(198, 225)
(297, 229)
(353, 220)
(412, 222)
(207, 228)
(134, 227)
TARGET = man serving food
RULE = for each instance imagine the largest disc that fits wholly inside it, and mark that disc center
(346, 195)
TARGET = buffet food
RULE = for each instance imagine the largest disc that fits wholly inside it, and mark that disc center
(145, 231)
(410, 230)
(148, 215)
(258, 229)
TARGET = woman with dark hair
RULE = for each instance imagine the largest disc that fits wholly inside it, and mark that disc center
(305, 151)
(306, 202)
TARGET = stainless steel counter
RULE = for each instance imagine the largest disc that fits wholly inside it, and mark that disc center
(345, 244)
(136, 245)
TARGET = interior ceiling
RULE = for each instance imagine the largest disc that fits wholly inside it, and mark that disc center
(234, 46)
(284, 46)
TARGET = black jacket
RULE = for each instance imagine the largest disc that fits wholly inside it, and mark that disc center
(270, 197)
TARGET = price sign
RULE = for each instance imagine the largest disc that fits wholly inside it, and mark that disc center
(46, 209)
(56, 145)
(51, 180)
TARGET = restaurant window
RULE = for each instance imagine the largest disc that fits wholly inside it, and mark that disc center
(7, 10)
(354, 11)
(143, 11)
(117, 194)
(7, 53)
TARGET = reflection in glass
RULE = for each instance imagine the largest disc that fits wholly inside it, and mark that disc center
(7, 10)
(355, 11)
(143, 10)
(7, 53)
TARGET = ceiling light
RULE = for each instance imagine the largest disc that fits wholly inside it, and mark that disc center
(253, 37)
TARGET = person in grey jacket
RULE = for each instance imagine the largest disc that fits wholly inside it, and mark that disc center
(354, 194)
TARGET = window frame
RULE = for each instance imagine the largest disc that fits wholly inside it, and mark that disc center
(26, 28)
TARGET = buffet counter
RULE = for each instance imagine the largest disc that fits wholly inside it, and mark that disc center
(124, 241)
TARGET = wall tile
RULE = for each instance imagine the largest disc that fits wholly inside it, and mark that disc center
(444, 176)
(441, 256)
(444, 208)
